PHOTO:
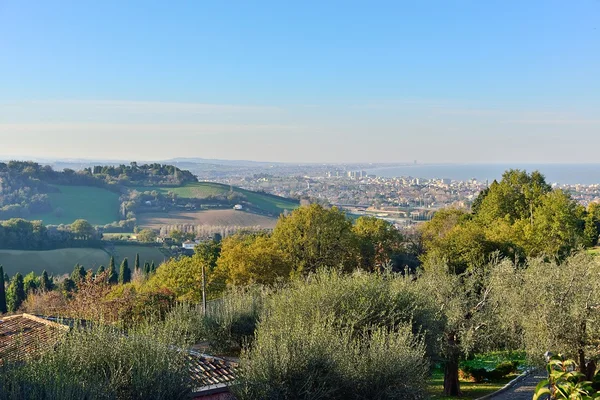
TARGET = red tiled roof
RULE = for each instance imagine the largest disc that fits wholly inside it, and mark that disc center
(210, 373)
(26, 335)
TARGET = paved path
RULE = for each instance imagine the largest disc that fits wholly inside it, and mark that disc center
(524, 389)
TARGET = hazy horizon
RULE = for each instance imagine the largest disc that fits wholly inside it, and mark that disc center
(461, 82)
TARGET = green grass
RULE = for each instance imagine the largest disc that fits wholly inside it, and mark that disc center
(473, 390)
(594, 251)
(470, 390)
(96, 205)
(202, 190)
(62, 261)
(55, 262)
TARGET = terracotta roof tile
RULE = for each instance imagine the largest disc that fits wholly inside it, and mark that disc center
(209, 372)
(26, 335)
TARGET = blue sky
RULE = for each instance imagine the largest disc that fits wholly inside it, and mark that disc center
(437, 81)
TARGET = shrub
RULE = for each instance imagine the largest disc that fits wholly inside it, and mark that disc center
(309, 360)
(231, 321)
(333, 336)
(100, 362)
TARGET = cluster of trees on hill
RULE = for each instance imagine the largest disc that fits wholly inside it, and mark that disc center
(25, 185)
(521, 216)
(142, 175)
(20, 234)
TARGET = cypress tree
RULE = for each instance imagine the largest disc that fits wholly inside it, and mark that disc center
(112, 272)
(147, 268)
(136, 265)
(68, 285)
(100, 270)
(16, 293)
(2, 292)
(152, 267)
(125, 272)
(45, 282)
(78, 274)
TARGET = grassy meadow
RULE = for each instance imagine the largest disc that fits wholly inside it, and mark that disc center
(202, 190)
(62, 261)
(98, 206)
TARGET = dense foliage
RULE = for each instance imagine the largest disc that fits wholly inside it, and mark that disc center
(100, 362)
(334, 336)
(519, 217)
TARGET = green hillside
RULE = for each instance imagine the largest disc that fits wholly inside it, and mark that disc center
(62, 261)
(201, 190)
(98, 206)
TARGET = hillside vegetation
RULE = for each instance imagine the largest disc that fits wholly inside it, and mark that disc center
(69, 203)
(206, 190)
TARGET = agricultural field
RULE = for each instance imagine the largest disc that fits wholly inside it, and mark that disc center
(98, 206)
(201, 190)
(208, 217)
(62, 261)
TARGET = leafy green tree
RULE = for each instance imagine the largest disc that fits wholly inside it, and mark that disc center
(557, 226)
(378, 240)
(68, 286)
(46, 284)
(451, 237)
(552, 306)
(31, 282)
(100, 270)
(124, 272)
(136, 265)
(513, 198)
(112, 272)
(3, 308)
(16, 293)
(590, 231)
(183, 277)
(470, 321)
(312, 237)
(83, 229)
(147, 235)
(250, 258)
(78, 275)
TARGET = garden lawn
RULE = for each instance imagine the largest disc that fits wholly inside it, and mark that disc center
(470, 390)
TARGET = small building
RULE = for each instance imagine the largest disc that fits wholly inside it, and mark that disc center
(238, 207)
(189, 245)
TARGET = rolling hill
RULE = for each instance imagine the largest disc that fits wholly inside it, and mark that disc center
(266, 202)
(62, 261)
(98, 206)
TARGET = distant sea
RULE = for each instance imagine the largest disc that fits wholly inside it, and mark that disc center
(585, 174)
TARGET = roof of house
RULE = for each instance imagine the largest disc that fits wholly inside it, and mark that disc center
(211, 374)
(25, 335)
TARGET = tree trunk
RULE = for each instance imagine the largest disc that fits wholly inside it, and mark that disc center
(581, 351)
(582, 367)
(451, 383)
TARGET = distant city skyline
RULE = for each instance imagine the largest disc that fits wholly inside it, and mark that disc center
(341, 82)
